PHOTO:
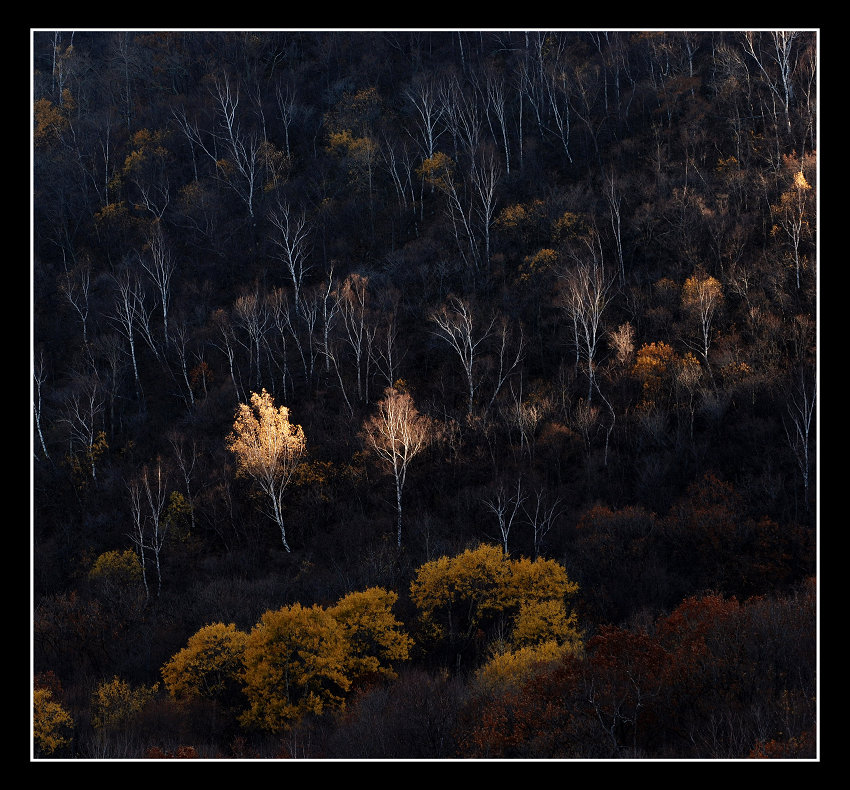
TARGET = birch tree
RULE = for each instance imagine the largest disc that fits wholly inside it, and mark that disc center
(293, 243)
(267, 448)
(159, 265)
(702, 295)
(506, 505)
(397, 433)
(455, 325)
(584, 297)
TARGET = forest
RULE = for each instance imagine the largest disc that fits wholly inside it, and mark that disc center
(440, 395)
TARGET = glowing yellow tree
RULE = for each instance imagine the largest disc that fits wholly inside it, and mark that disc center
(267, 448)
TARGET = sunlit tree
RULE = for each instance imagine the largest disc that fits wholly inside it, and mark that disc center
(267, 448)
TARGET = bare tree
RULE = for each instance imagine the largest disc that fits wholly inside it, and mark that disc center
(222, 321)
(186, 461)
(424, 95)
(352, 303)
(497, 104)
(160, 268)
(584, 298)
(240, 167)
(702, 295)
(397, 433)
(39, 375)
(75, 286)
(82, 413)
(776, 62)
(798, 426)
(288, 109)
(126, 309)
(614, 199)
(180, 339)
(137, 533)
(293, 242)
(251, 313)
(155, 486)
(456, 326)
(506, 506)
(542, 517)
(385, 351)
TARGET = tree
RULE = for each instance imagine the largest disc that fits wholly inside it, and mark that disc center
(209, 667)
(793, 212)
(377, 641)
(160, 268)
(702, 295)
(52, 724)
(505, 506)
(295, 663)
(483, 592)
(397, 434)
(293, 241)
(267, 448)
(455, 324)
(584, 298)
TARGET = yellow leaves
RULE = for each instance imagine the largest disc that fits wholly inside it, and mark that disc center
(113, 567)
(520, 215)
(701, 291)
(115, 702)
(295, 662)
(263, 440)
(52, 724)
(210, 665)
(114, 213)
(482, 583)
(655, 365)
(568, 226)
(726, 165)
(343, 142)
(225, 167)
(541, 261)
(49, 121)
(373, 631)
(510, 669)
(800, 181)
(544, 621)
(437, 170)
(340, 141)
(653, 360)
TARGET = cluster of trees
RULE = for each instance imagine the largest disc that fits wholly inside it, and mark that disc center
(424, 394)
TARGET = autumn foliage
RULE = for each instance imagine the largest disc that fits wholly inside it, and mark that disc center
(425, 394)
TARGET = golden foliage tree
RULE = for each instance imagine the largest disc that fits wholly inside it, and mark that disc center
(115, 703)
(209, 667)
(296, 661)
(52, 724)
(375, 635)
(267, 448)
(483, 589)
